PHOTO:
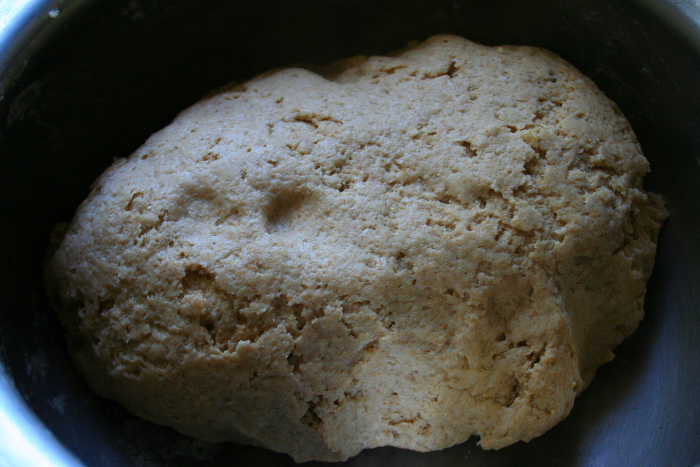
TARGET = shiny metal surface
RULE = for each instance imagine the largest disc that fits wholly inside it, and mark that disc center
(25, 441)
(83, 81)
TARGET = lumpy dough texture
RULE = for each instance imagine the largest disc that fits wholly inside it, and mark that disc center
(404, 251)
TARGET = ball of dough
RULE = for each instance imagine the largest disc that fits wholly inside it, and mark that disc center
(403, 251)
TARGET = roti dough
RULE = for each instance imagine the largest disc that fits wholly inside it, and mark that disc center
(403, 251)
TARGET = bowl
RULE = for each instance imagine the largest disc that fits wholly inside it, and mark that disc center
(83, 82)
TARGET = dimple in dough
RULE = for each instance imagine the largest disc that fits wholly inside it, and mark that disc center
(403, 251)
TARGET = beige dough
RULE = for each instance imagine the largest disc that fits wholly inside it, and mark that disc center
(401, 251)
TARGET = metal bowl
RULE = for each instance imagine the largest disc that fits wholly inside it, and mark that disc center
(82, 82)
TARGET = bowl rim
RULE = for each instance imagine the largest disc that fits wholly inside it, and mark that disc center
(25, 440)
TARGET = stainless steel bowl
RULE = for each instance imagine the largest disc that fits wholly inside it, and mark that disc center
(82, 82)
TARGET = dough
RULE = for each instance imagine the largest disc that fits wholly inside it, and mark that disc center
(402, 251)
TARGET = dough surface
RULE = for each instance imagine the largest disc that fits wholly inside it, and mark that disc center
(405, 251)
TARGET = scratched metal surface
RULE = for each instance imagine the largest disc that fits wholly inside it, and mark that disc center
(83, 81)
